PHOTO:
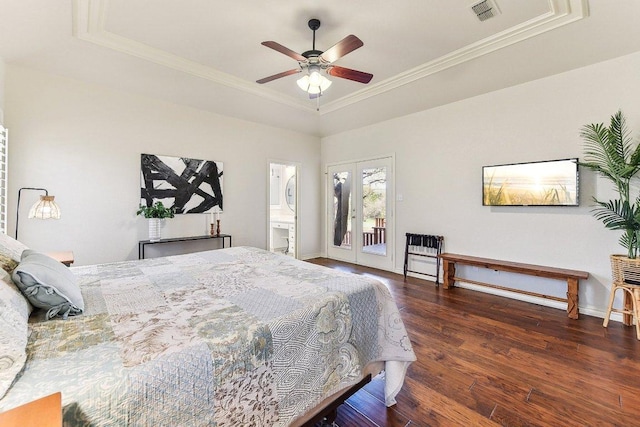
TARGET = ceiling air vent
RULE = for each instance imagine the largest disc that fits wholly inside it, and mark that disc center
(485, 9)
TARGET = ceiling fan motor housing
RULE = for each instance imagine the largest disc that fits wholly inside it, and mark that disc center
(313, 55)
(314, 23)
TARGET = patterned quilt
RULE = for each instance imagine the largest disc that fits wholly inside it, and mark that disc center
(231, 337)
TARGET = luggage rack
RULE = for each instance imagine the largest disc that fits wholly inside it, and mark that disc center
(432, 245)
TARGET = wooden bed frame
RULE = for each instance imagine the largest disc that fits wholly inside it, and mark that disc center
(327, 411)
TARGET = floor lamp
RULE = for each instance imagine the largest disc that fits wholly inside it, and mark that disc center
(45, 208)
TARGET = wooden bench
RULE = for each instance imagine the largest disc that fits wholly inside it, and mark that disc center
(571, 276)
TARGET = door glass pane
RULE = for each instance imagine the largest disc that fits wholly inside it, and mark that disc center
(342, 209)
(374, 202)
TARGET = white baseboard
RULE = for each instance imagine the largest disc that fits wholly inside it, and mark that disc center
(590, 310)
(587, 310)
(305, 257)
(416, 275)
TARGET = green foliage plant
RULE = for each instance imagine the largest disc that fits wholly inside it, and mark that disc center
(611, 153)
(494, 196)
(157, 210)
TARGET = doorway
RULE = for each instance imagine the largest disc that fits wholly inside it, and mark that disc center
(283, 206)
(360, 212)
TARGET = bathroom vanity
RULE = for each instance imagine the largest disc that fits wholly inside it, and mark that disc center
(282, 237)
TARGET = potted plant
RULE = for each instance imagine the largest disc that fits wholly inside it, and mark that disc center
(612, 154)
(155, 214)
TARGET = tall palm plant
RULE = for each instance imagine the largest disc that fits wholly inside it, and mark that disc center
(610, 152)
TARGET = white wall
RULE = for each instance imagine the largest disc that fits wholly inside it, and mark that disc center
(440, 153)
(2, 67)
(83, 143)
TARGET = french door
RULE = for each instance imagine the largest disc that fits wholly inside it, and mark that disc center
(360, 213)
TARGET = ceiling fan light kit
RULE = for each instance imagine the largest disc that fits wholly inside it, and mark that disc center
(314, 83)
(315, 61)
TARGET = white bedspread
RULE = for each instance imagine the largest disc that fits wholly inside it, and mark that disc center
(232, 337)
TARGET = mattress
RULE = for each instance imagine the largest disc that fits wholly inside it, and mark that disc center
(230, 337)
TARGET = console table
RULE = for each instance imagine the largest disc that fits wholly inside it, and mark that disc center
(143, 243)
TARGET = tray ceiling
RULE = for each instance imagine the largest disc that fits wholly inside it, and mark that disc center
(207, 53)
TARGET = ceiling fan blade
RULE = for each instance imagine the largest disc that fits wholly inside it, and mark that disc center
(347, 73)
(279, 75)
(340, 49)
(277, 46)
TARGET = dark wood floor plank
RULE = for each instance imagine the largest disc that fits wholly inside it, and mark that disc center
(489, 360)
(486, 353)
(580, 416)
(368, 404)
(444, 408)
(376, 388)
(509, 417)
(502, 378)
(349, 416)
(452, 384)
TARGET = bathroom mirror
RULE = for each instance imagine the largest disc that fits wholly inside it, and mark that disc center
(290, 193)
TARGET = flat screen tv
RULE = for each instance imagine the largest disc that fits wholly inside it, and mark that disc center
(544, 183)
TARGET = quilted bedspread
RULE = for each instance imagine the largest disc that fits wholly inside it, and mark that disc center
(231, 337)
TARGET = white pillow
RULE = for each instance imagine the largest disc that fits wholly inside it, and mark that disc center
(14, 315)
(11, 247)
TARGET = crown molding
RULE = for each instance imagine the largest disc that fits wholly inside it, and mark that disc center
(89, 17)
(561, 12)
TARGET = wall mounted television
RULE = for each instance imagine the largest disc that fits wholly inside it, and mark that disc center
(543, 183)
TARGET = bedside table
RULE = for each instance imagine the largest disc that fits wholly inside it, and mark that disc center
(65, 257)
(44, 412)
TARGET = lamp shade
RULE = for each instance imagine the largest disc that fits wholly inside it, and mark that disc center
(314, 77)
(45, 208)
(314, 82)
(303, 82)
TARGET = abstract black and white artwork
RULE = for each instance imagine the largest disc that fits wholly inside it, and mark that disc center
(187, 185)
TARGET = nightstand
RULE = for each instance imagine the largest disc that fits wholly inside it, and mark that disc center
(65, 257)
(44, 412)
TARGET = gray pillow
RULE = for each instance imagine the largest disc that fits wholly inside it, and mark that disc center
(48, 284)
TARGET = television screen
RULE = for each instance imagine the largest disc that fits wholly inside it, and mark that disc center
(545, 183)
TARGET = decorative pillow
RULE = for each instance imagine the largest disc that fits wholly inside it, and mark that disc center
(8, 264)
(14, 315)
(48, 284)
(11, 247)
(15, 300)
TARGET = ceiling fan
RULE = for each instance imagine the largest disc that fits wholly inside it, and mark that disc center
(316, 60)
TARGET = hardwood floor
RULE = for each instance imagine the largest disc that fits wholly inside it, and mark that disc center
(485, 360)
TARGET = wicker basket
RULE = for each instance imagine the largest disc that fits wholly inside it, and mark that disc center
(625, 269)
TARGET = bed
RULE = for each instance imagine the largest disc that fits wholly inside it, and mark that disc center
(230, 337)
